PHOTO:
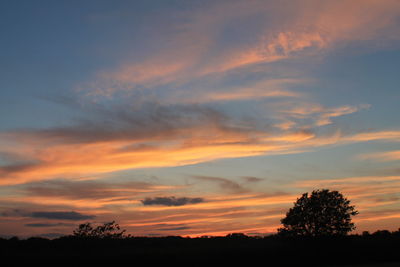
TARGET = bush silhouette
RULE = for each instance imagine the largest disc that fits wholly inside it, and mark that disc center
(323, 213)
(107, 230)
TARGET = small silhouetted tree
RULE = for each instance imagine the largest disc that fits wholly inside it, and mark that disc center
(323, 213)
(107, 230)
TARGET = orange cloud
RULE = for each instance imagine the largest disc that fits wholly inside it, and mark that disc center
(242, 94)
(382, 156)
(393, 136)
(320, 115)
(50, 154)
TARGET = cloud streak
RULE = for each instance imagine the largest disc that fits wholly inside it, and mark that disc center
(223, 183)
(53, 215)
(45, 225)
(61, 215)
(91, 190)
(171, 201)
(381, 156)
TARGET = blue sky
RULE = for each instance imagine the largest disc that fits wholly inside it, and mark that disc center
(242, 104)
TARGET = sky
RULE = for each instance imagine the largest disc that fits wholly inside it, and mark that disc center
(195, 117)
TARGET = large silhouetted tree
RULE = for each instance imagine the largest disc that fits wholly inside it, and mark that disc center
(323, 213)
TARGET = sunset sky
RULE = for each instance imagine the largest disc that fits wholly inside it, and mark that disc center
(196, 117)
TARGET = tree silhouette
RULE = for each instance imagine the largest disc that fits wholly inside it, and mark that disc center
(107, 230)
(323, 213)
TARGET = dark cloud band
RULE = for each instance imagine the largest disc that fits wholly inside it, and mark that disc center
(171, 201)
(47, 224)
(56, 215)
(61, 215)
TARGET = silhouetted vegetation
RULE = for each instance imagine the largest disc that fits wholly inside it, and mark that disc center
(107, 230)
(323, 213)
(237, 248)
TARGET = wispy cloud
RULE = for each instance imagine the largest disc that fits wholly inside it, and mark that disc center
(274, 88)
(283, 31)
(305, 114)
(386, 135)
(381, 156)
(91, 190)
(223, 183)
(252, 179)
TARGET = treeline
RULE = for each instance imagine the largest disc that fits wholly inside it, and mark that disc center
(274, 250)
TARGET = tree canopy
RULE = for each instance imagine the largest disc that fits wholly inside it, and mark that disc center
(323, 213)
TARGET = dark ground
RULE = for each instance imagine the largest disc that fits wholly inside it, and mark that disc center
(354, 250)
